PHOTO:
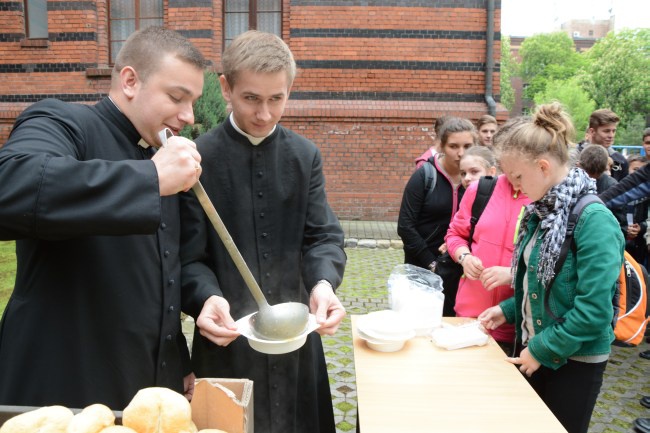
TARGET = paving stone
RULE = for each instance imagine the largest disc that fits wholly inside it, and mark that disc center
(364, 290)
(351, 242)
(383, 243)
(367, 243)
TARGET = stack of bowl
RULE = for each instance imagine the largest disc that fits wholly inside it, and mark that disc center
(385, 330)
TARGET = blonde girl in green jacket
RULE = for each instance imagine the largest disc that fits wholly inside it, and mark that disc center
(564, 360)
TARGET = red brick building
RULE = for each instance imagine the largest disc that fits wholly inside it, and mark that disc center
(372, 74)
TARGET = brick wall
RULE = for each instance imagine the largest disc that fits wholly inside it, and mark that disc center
(372, 77)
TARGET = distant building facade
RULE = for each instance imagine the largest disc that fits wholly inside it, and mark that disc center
(372, 75)
(585, 33)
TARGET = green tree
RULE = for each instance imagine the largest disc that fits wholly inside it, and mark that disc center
(631, 134)
(209, 109)
(618, 73)
(574, 99)
(546, 57)
(508, 69)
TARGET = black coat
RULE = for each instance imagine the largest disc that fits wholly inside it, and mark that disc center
(271, 198)
(94, 315)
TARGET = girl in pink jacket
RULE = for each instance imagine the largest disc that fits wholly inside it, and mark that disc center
(487, 278)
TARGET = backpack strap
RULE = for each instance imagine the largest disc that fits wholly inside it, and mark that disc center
(569, 242)
(430, 176)
(484, 191)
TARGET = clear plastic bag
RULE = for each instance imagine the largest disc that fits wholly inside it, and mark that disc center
(417, 294)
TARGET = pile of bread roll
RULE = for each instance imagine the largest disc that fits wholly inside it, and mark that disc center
(152, 410)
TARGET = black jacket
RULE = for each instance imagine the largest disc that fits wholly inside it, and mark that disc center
(94, 315)
(424, 218)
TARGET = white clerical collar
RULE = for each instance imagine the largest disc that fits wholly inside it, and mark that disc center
(254, 140)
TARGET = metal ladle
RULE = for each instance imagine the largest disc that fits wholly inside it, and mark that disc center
(272, 322)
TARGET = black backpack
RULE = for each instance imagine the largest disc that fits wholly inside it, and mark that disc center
(629, 304)
(430, 176)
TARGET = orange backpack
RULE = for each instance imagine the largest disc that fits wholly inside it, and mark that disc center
(631, 303)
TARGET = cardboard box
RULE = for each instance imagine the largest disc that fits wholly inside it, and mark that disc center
(225, 404)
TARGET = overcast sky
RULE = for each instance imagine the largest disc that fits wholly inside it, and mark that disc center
(527, 17)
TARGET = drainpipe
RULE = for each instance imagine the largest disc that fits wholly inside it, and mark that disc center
(489, 59)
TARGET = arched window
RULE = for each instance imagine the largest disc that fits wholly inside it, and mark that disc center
(242, 15)
(127, 16)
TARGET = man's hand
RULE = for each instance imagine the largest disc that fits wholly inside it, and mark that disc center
(188, 386)
(178, 164)
(327, 308)
(215, 322)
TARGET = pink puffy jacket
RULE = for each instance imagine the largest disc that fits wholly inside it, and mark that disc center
(493, 243)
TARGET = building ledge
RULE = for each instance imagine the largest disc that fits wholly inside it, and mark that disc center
(35, 43)
(99, 72)
(386, 110)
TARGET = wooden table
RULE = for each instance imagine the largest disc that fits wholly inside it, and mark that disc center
(423, 388)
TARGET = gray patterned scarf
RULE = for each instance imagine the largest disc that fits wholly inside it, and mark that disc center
(553, 211)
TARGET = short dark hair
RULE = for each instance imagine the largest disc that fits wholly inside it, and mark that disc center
(593, 160)
(636, 157)
(144, 49)
(602, 117)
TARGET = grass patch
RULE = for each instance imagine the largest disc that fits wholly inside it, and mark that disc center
(7, 272)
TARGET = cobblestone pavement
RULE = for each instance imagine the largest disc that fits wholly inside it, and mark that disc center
(373, 250)
(627, 377)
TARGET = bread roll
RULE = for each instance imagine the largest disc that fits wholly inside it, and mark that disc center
(92, 419)
(117, 429)
(211, 430)
(48, 419)
(158, 410)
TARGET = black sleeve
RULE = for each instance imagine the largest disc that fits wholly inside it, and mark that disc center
(630, 188)
(409, 215)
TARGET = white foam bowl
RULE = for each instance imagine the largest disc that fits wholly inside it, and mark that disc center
(385, 330)
(383, 345)
(385, 325)
(275, 347)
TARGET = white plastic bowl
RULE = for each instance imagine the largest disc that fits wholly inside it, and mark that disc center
(275, 347)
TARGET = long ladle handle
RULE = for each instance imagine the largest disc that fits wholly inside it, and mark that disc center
(222, 231)
(228, 242)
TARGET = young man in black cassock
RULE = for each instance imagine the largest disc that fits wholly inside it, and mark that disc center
(268, 186)
(95, 312)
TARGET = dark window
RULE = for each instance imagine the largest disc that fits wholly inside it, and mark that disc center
(242, 15)
(591, 32)
(36, 19)
(127, 16)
